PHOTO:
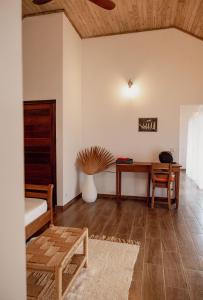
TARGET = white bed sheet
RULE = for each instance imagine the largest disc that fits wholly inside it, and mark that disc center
(34, 208)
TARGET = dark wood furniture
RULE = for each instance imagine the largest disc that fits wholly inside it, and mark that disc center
(40, 143)
(42, 192)
(145, 167)
(162, 177)
(52, 262)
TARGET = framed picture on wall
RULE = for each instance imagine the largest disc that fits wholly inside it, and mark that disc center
(148, 124)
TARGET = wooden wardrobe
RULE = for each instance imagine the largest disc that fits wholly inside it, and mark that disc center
(40, 143)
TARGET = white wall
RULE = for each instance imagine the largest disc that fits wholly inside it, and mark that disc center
(12, 257)
(72, 105)
(42, 72)
(186, 112)
(167, 65)
(52, 70)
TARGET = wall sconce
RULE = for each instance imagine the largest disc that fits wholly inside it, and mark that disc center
(130, 90)
(130, 83)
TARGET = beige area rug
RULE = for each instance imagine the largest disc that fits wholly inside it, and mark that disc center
(109, 273)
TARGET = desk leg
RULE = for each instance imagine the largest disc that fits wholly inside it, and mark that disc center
(177, 187)
(118, 185)
(148, 188)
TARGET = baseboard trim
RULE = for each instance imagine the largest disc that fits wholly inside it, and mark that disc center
(123, 197)
(158, 200)
(67, 205)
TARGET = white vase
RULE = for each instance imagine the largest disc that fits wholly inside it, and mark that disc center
(89, 191)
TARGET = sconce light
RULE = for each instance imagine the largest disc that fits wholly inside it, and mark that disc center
(130, 83)
(130, 90)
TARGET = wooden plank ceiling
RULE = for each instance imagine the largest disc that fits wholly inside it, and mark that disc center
(128, 16)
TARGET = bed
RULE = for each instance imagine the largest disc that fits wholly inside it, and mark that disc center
(38, 207)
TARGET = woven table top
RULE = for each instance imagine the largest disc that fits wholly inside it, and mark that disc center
(53, 248)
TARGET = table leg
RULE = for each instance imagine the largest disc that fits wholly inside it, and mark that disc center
(58, 282)
(118, 185)
(148, 188)
(85, 249)
(177, 187)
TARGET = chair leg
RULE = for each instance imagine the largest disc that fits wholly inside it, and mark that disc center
(153, 194)
(174, 192)
(169, 197)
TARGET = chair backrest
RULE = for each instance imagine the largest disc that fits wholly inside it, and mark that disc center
(161, 169)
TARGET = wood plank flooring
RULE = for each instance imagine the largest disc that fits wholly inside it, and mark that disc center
(170, 261)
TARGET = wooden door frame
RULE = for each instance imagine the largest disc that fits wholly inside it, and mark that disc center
(53, 130)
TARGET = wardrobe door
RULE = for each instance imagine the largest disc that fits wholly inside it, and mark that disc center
(40, 142)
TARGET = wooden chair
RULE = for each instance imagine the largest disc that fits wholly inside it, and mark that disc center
(162, 177)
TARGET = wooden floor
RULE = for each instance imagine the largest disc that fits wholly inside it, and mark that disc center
(170, 262)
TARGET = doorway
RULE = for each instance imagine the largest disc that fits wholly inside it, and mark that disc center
(195, 148)
(40, 143)
(186, 113)
(191, 142)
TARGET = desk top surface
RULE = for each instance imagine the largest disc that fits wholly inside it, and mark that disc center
(147, 164)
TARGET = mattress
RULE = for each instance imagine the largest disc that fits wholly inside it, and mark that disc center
(34, 208)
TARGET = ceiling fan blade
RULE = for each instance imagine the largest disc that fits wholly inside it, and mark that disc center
(40, 2)
(106, 4)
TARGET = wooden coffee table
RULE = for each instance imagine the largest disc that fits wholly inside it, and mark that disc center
(52, 262)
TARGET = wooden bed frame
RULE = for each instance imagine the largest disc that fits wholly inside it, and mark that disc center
(43, 192)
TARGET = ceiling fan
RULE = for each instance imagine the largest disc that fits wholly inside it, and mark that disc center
(106, 4)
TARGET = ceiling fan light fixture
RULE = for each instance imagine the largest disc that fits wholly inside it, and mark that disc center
(40, 2)
(106, 4)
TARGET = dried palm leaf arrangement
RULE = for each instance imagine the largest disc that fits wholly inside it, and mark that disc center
(94, 160)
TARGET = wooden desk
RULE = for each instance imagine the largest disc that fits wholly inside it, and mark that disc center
(144, 167)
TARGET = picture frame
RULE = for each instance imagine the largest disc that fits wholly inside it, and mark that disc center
(148, 124)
